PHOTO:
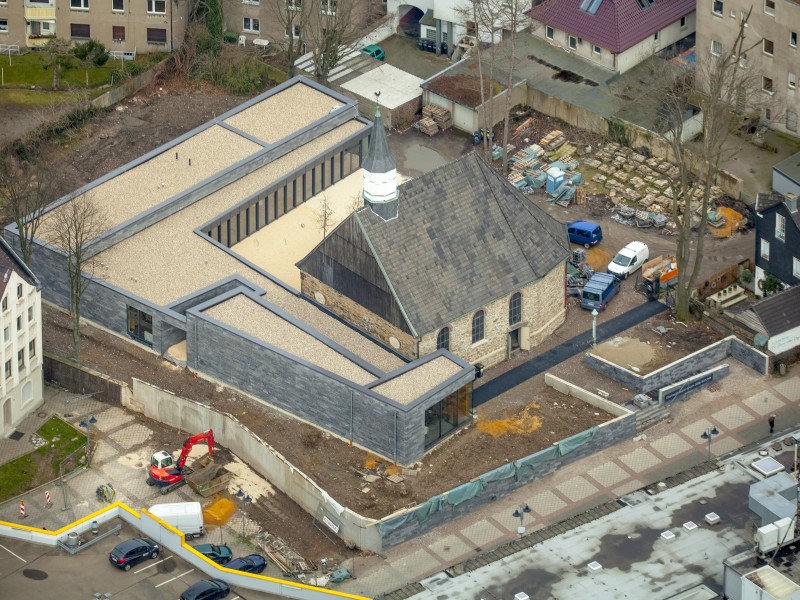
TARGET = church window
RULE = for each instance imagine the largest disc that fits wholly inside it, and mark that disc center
(477, 326)
(443, 339)
(515, 309)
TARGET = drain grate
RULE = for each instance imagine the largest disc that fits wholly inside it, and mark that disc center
(17, 435)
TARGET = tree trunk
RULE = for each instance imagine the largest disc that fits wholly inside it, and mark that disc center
(76, 329)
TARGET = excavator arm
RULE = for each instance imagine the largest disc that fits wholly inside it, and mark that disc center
(207, 436)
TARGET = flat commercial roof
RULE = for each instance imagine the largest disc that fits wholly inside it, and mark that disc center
(790, 167)
(396, 86)
(409, 386)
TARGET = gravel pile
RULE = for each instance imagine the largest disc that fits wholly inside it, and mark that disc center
(253, 319)
(283, 114)
(411, 385)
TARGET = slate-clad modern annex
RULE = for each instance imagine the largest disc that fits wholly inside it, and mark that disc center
(164, 272)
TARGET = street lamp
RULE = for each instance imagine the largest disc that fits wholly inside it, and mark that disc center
(594, 327)
(520, 513)
(245, 500)
(707, 435)
(87, 421)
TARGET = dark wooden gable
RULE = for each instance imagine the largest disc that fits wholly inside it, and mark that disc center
(345, 262)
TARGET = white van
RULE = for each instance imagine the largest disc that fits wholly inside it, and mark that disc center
(629, 259)
(186, 517)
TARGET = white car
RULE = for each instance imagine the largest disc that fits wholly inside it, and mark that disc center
(629, 259)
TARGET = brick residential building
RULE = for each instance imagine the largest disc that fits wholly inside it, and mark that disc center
(771, 34)
(121, 25)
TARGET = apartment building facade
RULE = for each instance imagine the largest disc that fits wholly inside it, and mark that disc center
(21, 386)
(771, 38)
(141, 26)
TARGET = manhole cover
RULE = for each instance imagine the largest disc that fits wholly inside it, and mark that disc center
(41, 414)
(34, 574)
(17, 435)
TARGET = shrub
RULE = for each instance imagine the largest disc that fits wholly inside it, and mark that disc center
(230, 37)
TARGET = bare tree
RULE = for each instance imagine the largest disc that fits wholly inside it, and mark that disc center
(325, 215)
(26, 188)
(57, 52)
(717, 86)
(295, 16)
(512, 18)
(70, 227)
(332, 35)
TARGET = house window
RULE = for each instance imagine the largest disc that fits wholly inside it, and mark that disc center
(5, 304)
(118, 5)
(21, 360)
(716, 47)
(328, 7)
(19, 322)
(295, 31)
(156, 36)
(549, 33)
(656, 36)
(294, 4)
(447, 415)
(30, 314)
(3, 25)
(793, 39)
(140, 325)
(769, 7)
(79, 4)
(79, 31)
(573, 43)
(683, 22)
(32, 348)
(477, 326)
(765, 249)
(768, 47)
(717, 7)
(780, 228)
(792, 80)
(768, 114)
(597, 49)
(766, 84)
(796, 267)
(156, 7)
(8, 369)
(6, 334)
(251, 24)
(744, 18)
(19, 291)
(118, 33)
(443, 339)
(515, 309)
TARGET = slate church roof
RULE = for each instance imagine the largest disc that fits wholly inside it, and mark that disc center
(464, 237)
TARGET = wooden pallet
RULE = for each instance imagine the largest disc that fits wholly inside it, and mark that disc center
(428, 126)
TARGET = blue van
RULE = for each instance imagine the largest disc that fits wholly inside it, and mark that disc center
(599, 290)
(585, 233)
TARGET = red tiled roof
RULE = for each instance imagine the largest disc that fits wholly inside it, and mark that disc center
(617, 25)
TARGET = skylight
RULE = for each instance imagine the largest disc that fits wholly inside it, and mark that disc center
(590, 6)
(645, 3)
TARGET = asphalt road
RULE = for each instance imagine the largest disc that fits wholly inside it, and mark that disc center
(32, 571)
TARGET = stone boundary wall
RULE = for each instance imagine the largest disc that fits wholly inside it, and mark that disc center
(131, 86)
(570, 389)
(683, 368)
(82, 380)
(692, 384)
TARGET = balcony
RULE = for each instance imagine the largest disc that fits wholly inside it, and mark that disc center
(40, 14)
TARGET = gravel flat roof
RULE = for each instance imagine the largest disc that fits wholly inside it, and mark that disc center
(280, 115)
(411, 385)
(242, 313)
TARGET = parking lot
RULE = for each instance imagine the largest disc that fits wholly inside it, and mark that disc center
(32, 571)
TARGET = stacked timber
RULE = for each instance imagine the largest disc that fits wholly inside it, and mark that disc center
(428, 126)
(440, 115)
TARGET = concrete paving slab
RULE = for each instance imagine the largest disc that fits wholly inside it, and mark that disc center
(628, 487)
(608, 474)
(131, 436)
(450, 547)
(764, 403)
(670, 445)
(577, 488)
(789, 389)
(482, 534)
(733, 417)
(724, 444)
(136, 487)
(546, 503)
(112, 418)
(103, 452)
(693, 431)
(414, 565)
(640, 460)
(114, 471)
(506, 519)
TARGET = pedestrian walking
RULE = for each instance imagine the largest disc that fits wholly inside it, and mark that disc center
(772, 423)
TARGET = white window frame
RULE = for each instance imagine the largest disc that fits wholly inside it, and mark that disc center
(572, 42)
(3, 25)
(792, 81)
(716, 45)
(295, 29)
(294, 4)
(769, 10)
(796, 266)
(714, 10)
(743, 17)
(118, 10)
(597, 49)
(764, 252)
(152, 7)
(251, 25)
(549, 32)
(780, 227)
(325, 7)
(793, 36)
(79, 4)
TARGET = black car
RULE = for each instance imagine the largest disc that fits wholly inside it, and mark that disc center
(208, 589)
(130, 552)
(252, 563)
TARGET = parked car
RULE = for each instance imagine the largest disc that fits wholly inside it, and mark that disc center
(629, 259)
(585, 233)
(374, 51)
(252, 563)
(599, 291)
(208, 589)
(220, 554)
(130, 552)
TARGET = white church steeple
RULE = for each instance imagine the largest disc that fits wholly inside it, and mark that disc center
(380, 171)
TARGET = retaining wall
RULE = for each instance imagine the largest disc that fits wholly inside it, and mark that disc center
(82, 380)
(684, 368)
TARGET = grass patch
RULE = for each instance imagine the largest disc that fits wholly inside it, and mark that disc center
(41, 465)
(35, 98)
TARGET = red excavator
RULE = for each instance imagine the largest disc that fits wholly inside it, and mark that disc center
(169, 475)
